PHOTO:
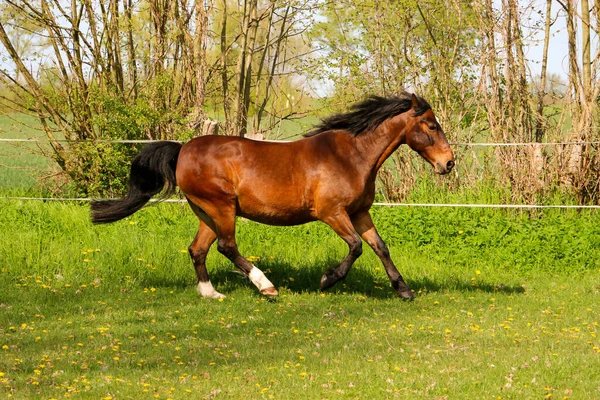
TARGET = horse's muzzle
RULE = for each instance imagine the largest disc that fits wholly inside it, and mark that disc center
(444, 169)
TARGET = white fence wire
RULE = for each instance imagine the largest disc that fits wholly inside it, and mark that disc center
(465, 144)
(378, 204)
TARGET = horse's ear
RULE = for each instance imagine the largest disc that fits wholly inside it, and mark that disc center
(414, 102)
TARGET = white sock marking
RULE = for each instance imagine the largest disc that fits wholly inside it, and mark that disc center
(206, 289)
(259, 279)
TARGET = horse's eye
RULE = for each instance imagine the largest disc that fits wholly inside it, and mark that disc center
(432, 127)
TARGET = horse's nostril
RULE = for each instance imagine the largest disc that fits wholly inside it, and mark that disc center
(450, 165)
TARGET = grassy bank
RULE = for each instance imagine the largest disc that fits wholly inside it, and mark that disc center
(507, 307)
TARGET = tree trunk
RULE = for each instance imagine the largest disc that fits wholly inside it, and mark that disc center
(259, 72)
(274, 59)
(509, 73)
(495, 101)
(224, 74)
(248, 74)
(200, 38)
(244, 67)
(586, 64)
(133, 74)
(539, 129)
(522, 88)
(572, 42)
(575, 155)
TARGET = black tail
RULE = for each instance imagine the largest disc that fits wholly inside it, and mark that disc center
(151, 171)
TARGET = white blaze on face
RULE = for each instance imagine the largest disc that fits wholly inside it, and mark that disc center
(206, 289)
(259, 279)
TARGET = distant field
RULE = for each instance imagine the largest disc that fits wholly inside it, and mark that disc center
(507, 307)
(21, 164)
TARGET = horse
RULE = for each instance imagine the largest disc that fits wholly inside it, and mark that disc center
(328, 175)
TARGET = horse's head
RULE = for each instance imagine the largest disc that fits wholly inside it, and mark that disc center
(425, 136)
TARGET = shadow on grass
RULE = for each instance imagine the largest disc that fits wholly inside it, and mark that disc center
(429, 285)
(306, 280)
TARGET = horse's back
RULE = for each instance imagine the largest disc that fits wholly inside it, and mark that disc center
(240, 153)
(267, 180)
(278, 183)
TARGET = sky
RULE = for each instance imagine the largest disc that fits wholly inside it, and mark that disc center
(558, 62)
(557, 50)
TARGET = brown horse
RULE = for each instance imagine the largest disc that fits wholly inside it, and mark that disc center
(329, 176)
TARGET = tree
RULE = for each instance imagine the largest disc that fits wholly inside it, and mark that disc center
(117, 72)
(136, 70)
(427, 47)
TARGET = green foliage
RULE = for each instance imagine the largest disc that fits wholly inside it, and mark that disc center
(102, 169)
(426, 46)
(99, 169)
(518, 242)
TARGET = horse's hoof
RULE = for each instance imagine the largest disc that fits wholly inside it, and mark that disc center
(407, 295)
(327, 282)
(206, 290)
(270, 292)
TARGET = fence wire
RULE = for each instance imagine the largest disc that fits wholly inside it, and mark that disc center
(377, 204)
(465, 144)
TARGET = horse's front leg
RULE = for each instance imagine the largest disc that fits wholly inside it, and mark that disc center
(364, 226)
(342, 225)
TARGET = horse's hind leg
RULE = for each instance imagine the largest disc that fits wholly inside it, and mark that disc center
(198, 251)
(222, 215)
(341, 224)
(364, 226)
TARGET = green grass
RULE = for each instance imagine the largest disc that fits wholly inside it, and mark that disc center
(507, 307)
(21, 163)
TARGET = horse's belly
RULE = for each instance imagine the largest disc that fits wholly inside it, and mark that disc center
(274, 214)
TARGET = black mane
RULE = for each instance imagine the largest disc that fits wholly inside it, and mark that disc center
(369, 113)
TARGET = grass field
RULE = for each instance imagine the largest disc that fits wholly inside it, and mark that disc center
(21, 164)
(507, 307)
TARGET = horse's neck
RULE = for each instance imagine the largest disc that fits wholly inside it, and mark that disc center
(378, 145)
